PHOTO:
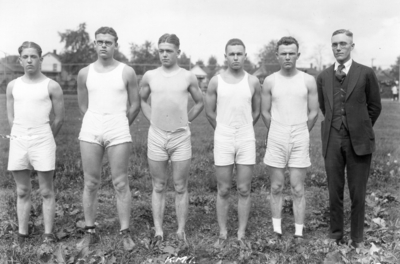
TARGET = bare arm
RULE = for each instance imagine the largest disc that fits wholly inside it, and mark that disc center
(196, 94)
(83, 100)
(10, 103)
(256, 99)
(144, 96)
(312, 101)
(266, 100)
(57, 100)
(133, 93)
(211, 102)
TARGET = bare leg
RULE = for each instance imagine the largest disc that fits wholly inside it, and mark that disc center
(24, 187)
(48, 196)
(297, 177)
(158, 171)
(92, 157)
(224, 181)
(180, 173)
(118, 156)
(244, 175)
(277, 183)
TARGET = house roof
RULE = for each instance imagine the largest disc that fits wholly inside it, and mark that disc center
(199, 72)
(53, 54)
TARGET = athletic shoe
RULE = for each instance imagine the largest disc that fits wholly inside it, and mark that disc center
(88, 240)
(127, 240)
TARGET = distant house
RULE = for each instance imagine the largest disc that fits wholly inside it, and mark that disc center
(51, 65)
(199, 72)
(312, 70)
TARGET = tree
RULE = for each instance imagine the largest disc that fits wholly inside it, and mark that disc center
(144, 57)
(267, 54)
(78, 49)
(248, 66)
(319, 56)
(200, 63)
(395, 69)
(184, 61)
(10, 59)
(212, 66)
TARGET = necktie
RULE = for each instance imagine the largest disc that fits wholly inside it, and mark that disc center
(340, 75)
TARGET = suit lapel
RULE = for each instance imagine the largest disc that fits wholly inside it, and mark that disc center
(329, 85)
(353, 75)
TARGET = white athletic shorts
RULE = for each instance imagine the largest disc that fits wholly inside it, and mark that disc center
(234, 145)
(105, 130)
(32, 148)
(163, 145)
(288, 145)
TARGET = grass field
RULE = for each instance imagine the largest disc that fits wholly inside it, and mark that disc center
(382, 241)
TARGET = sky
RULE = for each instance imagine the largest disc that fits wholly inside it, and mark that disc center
(204, 26)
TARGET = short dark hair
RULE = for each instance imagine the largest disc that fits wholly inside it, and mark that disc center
(287, 41)
(107, 30)
(235, 42)
(30, 44)
(343, 31)
(169, 38)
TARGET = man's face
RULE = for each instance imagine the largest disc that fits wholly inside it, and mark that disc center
(168, 53)
(105, 45)
(287, 56)
(30, 60)
(342, 45)
(235, 56)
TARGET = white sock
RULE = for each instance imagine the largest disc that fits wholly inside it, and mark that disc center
(276, 223)
(299, 230)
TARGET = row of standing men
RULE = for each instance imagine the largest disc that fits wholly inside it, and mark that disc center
(109, 98)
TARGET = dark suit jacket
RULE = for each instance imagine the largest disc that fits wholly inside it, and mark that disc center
(362, 106)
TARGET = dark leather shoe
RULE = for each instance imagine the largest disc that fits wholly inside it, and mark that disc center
(356, 244)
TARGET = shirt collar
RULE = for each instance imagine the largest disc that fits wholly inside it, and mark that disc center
(347, 65)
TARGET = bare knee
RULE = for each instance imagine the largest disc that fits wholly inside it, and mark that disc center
(243, 191)
(159, 186)
(180, 188)
(92, 185)
(23, 192)
(298, 191)
(223, 191)
(46, 193)
(276, 188)
(121, 186)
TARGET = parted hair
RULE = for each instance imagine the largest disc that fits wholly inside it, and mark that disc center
(287, 41)
(107, 30)
(343, 31)
(235, 42)
(169, 38)
(30, 44)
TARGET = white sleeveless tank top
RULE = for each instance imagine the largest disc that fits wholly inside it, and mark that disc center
(107, 92)
(32, 103)
(289, 99)
(234, 103)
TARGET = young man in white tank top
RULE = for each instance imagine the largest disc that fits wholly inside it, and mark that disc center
(108, 97)
(169, 132)
(30, 99)
(289, 110)
(233, 108)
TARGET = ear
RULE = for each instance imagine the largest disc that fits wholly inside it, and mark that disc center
(352, 46)
(298, 55)
(178, 51)
(116, 44)
(20, 60)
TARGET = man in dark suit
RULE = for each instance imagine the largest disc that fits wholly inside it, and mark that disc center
(349, 98)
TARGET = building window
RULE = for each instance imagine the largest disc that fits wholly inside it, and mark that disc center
(54, 66)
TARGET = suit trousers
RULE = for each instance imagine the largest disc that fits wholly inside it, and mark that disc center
(340, 155)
